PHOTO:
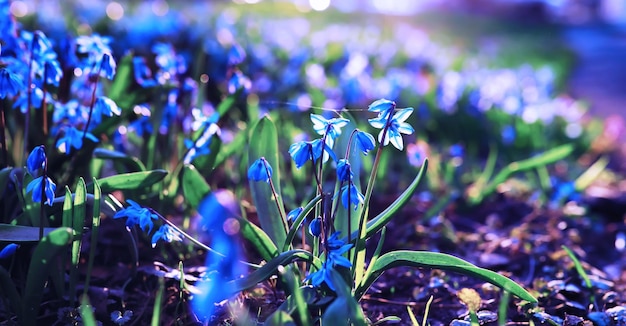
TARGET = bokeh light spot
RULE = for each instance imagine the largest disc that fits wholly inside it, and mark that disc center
(319, 5)
(115, 11)
(19, 9)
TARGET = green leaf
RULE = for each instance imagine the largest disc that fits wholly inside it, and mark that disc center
(227, 150)
(345, 310)
(377, 223)
(95, 228)
(299, 299)
(132, 163)
(78, 221)
(437, 260)
(295, 226)
(578, 266)
(264, 143)
(258, 238)
(86, 313)
(545, 158)
(269, 269)
(206, 163)
(195, 188)
(130, 181)
(19, 233)
(280, 318)
(51, 246)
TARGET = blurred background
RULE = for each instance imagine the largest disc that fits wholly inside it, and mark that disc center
(583, 41)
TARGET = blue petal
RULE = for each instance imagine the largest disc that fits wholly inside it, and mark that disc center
(8, 251)
(36, 160)
(381, 105)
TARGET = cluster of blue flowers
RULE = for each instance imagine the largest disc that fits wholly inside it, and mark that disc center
(135, 214)
(392, 125)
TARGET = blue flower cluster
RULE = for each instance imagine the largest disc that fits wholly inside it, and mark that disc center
(135, 214)
(42, 186)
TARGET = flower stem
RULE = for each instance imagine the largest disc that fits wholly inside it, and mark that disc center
(93, 101)
(3, 142)
(358, 246)
(196, 242)
(29, 97)
(43, 195)
(275, 194)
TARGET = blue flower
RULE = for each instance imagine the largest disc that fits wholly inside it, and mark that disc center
(106, 106)
(119, 319)
(315, 227)
(344, 172)
(137, 215)
(238, 81)
(49, 189)
(73, 138)
(107, 66)
(303, 151)
(36, 161)
(456, 150)
(167, 234)
(331, 126)
(53, 72)
(382, 105)
(393, 127)
(10, 83)
(508, 134)
(365, 142)
(334, 258)
(323, 275)
(351, 191)
(142, 73)
(8, 251)
(236, 55)
(260, 170)
(294, 213)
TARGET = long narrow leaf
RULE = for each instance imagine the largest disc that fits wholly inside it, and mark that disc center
(132, 163)
(270, 268)
(378, 222)
(20, 233)
(439, 261)
(264, 143)
(95, 228)
(195, 187)
(258, 238)
(130, 181)
(45, 253)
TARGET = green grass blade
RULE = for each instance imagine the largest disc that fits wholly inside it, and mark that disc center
(20, 233)
(86, 313)
(68, 209)
(440, 261)
(579, 267)
(378, 222)
(300, 303)
(95, 228)
(547, 157)
(132, 163)
(264, 143)
(299, 220)
(50, 247)
(377, 251)
(195, 187)
(78, 222)
(158, 302)
(130, 181)
(270, 268)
